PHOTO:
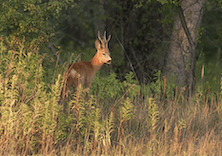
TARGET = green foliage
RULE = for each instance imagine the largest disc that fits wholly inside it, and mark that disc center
(182, 123)
(30, 108)
(141, 3)
(219, 34)
(211, 73)
(127, 110)
(26, 109)
(33, 120)
(33, 19)
(169, 10)
(163, 2)
(110, 87)
(82, 116)
(200, 32)
(18, 62)
(132, 84)
(153, 113)
(174, 2)
(157, 87)
(106, 87)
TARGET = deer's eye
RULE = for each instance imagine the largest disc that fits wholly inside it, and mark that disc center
(104, 54)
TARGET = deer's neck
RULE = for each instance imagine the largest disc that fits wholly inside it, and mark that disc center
(96, 63)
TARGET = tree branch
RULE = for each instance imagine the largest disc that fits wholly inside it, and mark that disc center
(185, 28)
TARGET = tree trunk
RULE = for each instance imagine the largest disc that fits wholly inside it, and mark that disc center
(181, 57)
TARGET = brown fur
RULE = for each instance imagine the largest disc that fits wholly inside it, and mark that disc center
(83, 72)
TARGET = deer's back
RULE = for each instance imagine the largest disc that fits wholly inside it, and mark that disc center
(84, 70)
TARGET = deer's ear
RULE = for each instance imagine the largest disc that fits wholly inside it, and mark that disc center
(97, 45)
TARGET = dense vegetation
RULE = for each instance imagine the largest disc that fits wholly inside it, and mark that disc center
(132, 110)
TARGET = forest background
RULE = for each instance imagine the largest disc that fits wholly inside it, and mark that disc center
(154, 99)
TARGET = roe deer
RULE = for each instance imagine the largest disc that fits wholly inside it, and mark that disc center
(83, 72)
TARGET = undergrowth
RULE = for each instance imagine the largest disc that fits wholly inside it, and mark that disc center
(120, 118)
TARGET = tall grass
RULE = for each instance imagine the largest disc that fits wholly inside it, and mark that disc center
(120, 118)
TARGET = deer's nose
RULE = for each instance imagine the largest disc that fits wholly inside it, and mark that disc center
(109, 61)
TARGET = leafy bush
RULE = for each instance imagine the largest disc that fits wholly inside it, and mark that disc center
(110, 87)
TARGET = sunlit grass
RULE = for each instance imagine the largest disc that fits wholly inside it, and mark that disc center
(120, 118)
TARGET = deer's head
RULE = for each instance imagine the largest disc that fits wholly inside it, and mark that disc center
(102, 49)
